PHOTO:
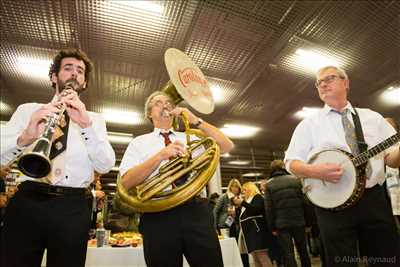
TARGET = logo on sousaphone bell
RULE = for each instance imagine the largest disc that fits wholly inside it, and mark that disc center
(188, 81)
(188, 75)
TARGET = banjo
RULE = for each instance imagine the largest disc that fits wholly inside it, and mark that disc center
(350, 188)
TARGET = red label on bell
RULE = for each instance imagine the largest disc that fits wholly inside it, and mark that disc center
(188, 75)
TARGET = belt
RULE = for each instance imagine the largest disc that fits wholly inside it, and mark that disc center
(46, 189)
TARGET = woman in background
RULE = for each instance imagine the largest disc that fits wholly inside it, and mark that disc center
(224, 210)
(254, 235)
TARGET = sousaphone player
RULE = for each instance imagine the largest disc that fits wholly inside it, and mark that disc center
(186, 229)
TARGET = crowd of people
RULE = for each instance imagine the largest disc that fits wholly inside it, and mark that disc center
(56, 212)
(266, 218)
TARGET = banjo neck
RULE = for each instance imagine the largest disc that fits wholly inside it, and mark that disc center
(362, 158)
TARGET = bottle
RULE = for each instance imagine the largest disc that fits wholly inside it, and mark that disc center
(100, 236)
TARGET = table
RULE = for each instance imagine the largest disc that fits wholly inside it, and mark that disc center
(133, 256)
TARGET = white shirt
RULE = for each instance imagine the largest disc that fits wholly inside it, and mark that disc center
(145, 146)
(324, 130)
(87, 149)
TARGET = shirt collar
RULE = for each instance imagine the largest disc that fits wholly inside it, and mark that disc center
(327, 109)
(158, 131)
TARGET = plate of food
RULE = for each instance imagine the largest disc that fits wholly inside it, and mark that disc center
(119, 242)
(125, 239)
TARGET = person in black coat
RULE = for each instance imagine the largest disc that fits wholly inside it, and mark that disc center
(285, 213)
(253, 236)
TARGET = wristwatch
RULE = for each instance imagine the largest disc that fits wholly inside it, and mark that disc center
(199, 121)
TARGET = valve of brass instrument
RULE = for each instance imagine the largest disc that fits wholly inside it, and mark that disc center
(186, 158)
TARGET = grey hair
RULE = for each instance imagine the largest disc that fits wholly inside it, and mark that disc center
(340, 71)
(148, 106)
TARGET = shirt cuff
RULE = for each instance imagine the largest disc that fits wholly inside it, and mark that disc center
(287, 165)
(12, 153)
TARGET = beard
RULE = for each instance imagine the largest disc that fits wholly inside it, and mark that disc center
(70, 84)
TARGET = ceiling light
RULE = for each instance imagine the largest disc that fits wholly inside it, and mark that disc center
(253, 174)
(312, 61)
(36, 68)
(217, 93)
(4, 108)
(225, 155)
(121, 117)
(111, 184)
(111, 193)
(392, 95)
(150, 6)
(144, 18)
(239, 162)
(223, 91)
(239, 131)
(119, 138)
(306, 112)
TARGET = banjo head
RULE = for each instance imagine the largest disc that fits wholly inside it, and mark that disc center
(329, 195)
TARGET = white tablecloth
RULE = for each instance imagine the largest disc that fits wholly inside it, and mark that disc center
(133, 256)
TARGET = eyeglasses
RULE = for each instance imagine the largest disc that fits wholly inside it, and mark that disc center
(328, 79)
(168, 104)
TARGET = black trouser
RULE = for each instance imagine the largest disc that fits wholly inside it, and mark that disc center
(285, 241)
(369, 226)
(35, 221)
(185, 230)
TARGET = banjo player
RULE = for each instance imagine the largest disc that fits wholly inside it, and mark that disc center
(366, 231)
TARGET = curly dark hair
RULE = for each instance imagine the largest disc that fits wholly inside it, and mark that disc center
(70, 52)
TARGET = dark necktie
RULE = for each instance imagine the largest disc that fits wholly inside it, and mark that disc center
(59, 144)
(349, 132)
(167, 141)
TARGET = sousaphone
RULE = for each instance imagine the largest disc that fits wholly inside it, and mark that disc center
(158, 193)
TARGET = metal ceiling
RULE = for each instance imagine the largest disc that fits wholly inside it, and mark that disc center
(244, 47)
